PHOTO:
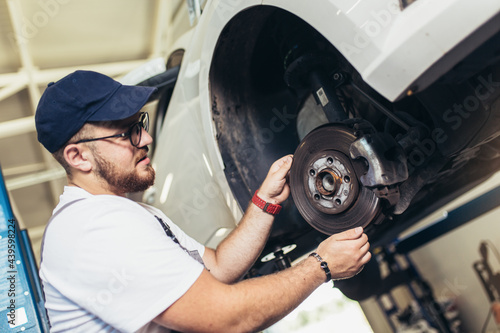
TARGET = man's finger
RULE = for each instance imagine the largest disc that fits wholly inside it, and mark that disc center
(366, 258)
(349, 234)
(281, 166)
(365, 247)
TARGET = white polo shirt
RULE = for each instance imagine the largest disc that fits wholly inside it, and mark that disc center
(108, 265)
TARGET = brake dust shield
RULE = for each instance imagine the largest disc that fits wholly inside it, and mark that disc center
(325, 184)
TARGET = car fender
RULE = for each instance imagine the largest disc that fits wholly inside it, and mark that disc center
(391, 47)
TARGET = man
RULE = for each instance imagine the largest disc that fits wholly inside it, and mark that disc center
(110, 264)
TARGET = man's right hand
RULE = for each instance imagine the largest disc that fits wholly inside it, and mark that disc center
(345, 253)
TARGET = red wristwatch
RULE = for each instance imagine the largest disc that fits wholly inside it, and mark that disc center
(267, 207)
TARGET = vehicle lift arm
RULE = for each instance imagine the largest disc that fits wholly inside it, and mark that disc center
(420, 290)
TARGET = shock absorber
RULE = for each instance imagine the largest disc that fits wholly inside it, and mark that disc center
(311, 72)
(325, 95)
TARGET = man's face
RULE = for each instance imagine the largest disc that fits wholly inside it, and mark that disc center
(124, 180)
(123, 167)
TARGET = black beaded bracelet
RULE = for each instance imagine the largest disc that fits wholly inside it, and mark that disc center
(323, 265)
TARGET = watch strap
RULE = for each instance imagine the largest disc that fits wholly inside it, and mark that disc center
(323, 265)
(267, 207)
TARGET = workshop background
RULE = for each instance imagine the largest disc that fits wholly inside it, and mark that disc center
(42, 41)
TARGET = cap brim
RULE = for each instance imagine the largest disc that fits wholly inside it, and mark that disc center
(125, 102)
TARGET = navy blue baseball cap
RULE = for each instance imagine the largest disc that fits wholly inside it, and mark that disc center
(80, 97)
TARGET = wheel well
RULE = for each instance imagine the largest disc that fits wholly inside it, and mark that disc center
(253, 109)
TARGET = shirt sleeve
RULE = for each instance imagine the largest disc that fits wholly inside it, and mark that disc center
(127, 271)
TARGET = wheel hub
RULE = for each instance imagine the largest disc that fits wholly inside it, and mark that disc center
(329, 182)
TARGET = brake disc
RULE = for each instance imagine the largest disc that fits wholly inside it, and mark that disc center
(325, 184)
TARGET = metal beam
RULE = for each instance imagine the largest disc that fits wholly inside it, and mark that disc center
(17, 127)
(16, 17)
(10, 78)
(20, 169)
(12, 89)
(27, 124)
(35, 178)
(18, 81)
(454, 219)
(113, 69)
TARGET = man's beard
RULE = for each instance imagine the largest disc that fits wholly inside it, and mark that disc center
(120, 181)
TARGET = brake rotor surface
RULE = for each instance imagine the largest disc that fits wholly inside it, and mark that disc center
(324, 183)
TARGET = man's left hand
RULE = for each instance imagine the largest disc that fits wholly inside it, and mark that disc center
(275, 189)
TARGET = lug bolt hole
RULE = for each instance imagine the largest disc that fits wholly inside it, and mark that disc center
(338, 202)
(312, 172)
(329, 160)
(316, 197)
(347, 179)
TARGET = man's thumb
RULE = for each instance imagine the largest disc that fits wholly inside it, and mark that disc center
(282, 166)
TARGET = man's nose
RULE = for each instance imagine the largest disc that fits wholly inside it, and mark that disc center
(146, 139)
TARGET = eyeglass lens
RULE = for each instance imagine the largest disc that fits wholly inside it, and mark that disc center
(136, 131)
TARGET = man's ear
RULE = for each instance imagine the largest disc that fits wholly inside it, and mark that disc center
(77, 157)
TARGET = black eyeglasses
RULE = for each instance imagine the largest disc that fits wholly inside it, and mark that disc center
(134, 133)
